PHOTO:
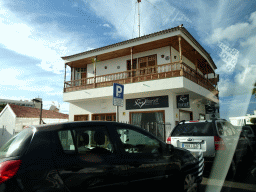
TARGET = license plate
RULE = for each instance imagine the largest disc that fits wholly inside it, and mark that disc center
(191, 146)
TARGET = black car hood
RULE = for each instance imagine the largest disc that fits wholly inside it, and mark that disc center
(184, 156)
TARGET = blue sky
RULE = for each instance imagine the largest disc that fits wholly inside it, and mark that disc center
(35, 34)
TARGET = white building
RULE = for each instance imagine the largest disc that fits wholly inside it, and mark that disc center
(14, 118)
(242, 120)
(167, 76)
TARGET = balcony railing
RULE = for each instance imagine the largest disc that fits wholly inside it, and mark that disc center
(169, 70)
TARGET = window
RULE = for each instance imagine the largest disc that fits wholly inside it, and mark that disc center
(86, 140)
(136, 142)
(81, 117)
(225, 129)
(66, 140)
(104, 117)
(147, 62)
(93, 140)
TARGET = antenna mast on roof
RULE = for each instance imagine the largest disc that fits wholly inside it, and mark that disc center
(139, 15)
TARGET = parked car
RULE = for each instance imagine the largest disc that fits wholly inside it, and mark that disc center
(216, 138)
(76, 156)
(247, 131)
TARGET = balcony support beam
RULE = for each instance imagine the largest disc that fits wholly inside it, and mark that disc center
(131, 63)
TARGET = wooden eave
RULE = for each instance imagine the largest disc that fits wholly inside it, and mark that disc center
(187, 50)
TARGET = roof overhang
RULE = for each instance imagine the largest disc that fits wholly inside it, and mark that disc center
(191, 49)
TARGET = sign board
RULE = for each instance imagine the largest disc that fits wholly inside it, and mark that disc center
(209, 109)
(118, 95)
(147, 102)
(183, 101)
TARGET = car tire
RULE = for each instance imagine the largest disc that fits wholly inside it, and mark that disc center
(190, 184)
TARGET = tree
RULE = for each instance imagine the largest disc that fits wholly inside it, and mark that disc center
(253, 120)
(254, 90)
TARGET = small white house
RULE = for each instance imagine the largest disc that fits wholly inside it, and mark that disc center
(14, 118)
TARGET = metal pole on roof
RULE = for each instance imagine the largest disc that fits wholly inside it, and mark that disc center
(139, 15)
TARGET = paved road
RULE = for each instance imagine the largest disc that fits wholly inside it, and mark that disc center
(243, 182)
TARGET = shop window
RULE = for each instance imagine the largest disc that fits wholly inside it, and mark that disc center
(104, 117)
(81, 118)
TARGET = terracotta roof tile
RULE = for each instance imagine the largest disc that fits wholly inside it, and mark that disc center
(29, 112)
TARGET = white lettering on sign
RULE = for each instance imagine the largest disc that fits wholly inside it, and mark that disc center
(118, 91)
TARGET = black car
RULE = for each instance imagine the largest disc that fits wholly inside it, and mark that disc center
(217, 139)
(76, 156)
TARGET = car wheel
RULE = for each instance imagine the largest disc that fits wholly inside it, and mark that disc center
(190, 184)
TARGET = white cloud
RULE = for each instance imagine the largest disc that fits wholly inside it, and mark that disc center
(234, 32)
(46, 42)
(106, 25)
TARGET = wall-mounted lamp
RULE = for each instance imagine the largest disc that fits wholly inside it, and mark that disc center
(162, 56)
(123, 113)
(118, 67)
(106, 67)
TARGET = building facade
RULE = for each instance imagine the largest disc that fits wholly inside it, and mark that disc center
(167, 76)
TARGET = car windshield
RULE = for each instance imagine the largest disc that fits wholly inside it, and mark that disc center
(17, 144)
(193, 129)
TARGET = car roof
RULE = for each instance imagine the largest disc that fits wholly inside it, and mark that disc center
(76, 124)
(200, 121)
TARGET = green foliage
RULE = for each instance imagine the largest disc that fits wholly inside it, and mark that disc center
(254, 90)
(253, 120)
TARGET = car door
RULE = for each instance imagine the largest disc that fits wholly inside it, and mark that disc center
(87, 158)
(142, 153)
(233, 142)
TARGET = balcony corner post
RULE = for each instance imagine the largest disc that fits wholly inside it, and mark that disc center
(131, 64)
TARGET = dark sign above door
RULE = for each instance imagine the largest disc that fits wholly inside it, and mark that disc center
(147, 102)
(183, 101)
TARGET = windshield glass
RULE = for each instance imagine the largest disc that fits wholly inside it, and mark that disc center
(193, 129)
(17, 144)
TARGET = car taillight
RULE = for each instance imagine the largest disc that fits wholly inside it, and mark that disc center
(169, 139)
(8, 169)
(219, 143)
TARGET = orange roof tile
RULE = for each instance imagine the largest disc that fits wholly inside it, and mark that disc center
(29, 112)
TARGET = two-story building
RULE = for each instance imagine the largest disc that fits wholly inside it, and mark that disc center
(167, 76)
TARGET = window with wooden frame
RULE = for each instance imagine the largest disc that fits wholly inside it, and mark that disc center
(81, 117)
(133, 66)
(104, 117)
(147, 64)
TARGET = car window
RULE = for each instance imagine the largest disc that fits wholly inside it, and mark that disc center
(66, 140)
(193, 129)
(136, 142)
(86, 140)
(17, 144)
(247, 130)
(228, 129)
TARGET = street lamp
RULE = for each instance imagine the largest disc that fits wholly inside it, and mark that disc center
(39, 101)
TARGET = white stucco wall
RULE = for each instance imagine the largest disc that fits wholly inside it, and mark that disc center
(95, 106)
(20, 122)
(7, 119)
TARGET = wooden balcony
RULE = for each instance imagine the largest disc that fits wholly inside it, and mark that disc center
(169, 70)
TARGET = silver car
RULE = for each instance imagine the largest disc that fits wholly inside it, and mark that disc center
(211, 137)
